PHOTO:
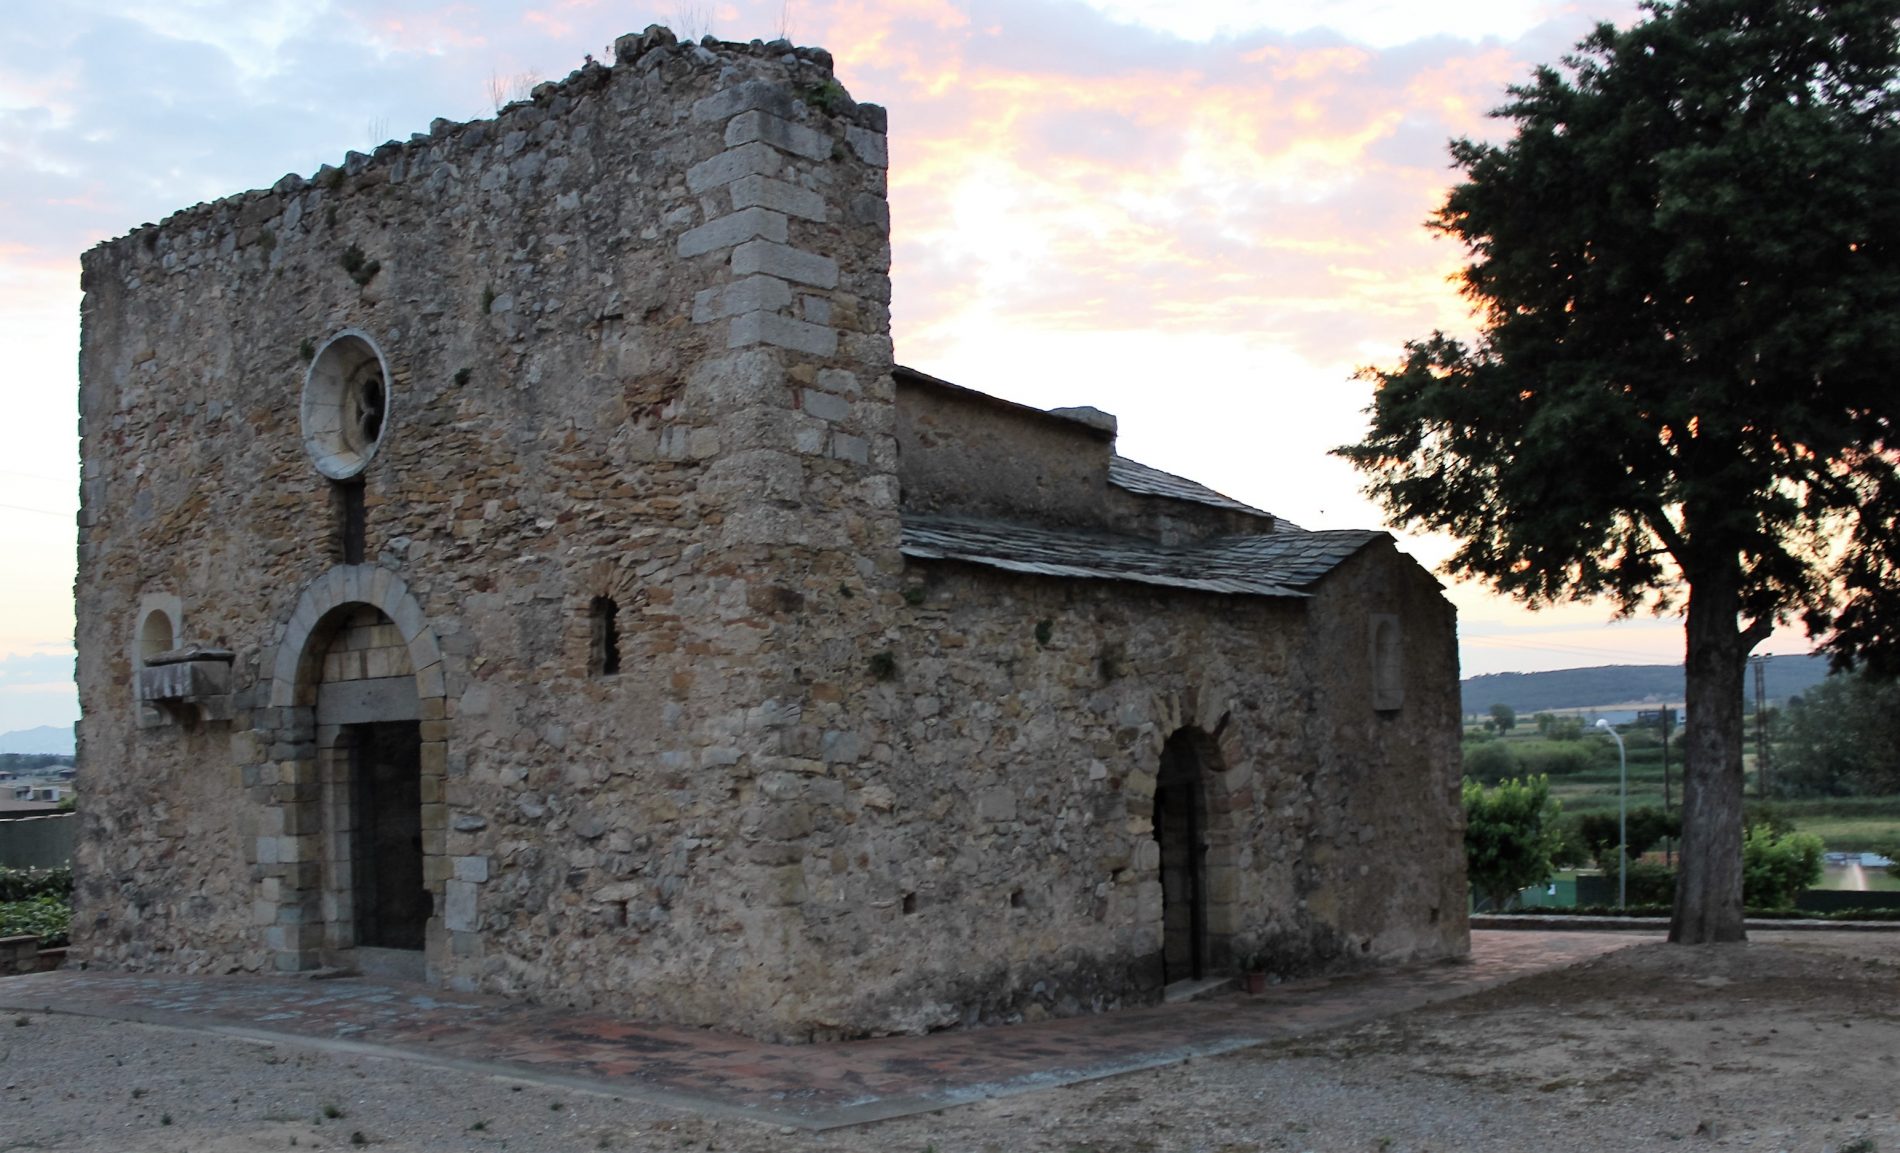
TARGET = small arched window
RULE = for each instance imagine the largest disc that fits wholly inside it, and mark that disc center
(156, 635)
(1388, 663)
(603, 658)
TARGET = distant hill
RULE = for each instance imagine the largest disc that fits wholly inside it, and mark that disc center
(1620, 684)
(53, 739)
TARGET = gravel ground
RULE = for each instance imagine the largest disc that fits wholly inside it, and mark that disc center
(1791, 1042)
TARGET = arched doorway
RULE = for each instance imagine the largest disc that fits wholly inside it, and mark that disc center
(369, 742)
(1180, 830)
(354, 827)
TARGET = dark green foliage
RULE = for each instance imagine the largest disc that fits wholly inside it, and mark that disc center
(1489, 762)
(1840, 739)
(462, 376)
(1503, 718)
(24, 884)
(1650, 884)
(361, 269)
(1559, 728)
(1044, 630)
(488, 299)
(1686, 264)
(828, 97)
(1560, 758)
(48, 917)
(1777, 866)
(883, 665)
(1646, 828)
(1510, 833)
(307, 349)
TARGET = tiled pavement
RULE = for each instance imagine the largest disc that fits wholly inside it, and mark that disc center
(810, 1086)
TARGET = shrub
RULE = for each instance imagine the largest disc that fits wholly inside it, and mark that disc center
(1557, 758)
(1776, 867)
(1510, 833)
(47, 917)
(1650, 884)
(1489, 762)
(22, 884)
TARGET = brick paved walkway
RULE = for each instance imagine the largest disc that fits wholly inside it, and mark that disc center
(809, 1086)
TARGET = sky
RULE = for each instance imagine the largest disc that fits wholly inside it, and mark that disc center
(1200, 215)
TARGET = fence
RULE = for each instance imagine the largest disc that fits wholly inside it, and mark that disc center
(38, 842)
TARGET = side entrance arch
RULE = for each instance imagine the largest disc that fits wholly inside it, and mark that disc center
(1197, 872)
(359, 861)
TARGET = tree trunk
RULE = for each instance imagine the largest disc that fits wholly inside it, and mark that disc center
(1709, 880)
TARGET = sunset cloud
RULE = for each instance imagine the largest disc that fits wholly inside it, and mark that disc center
(1200, 215)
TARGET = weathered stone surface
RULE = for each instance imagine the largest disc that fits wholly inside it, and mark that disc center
(783, 332)
(732, 230)
(693, 738)
(733, 164)
(764, 192)
(771, 259)
(779, 133)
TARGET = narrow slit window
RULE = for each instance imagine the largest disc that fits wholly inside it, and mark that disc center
(355, 522)
(604, 656)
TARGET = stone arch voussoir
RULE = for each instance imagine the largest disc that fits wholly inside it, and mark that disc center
(347, 585)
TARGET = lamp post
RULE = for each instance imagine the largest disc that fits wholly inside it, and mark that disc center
(1622, 814)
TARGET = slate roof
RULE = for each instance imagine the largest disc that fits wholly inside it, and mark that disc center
(1279, 564)
(1137, 477)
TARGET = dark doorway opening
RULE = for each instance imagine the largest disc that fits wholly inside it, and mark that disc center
(391, 899)
(1180, 827)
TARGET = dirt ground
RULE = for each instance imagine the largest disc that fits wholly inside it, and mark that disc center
(1790, 1042)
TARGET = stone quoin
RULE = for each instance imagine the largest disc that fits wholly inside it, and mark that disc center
(513, 559)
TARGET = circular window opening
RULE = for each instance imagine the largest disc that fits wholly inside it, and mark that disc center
(345, 405)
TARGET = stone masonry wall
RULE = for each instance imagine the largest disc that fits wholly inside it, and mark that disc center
(637, 335)
(637, 332)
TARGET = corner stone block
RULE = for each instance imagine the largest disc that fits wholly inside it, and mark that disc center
(727, 231)
(784, 332)
(871, 147)
(763, 256)
(825, 406)
(763, 127)
(745, 97)
(730, 165)
(459, 913)
(474, 870)
(753, 294)
(764, 192)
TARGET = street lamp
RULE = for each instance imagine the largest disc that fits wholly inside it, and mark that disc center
(1622, 814)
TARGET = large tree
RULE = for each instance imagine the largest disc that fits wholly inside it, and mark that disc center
(1686, 262)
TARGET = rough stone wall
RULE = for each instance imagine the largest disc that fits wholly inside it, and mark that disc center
(637, 332)
(1004, 848)
(967, 453)
(637, 339)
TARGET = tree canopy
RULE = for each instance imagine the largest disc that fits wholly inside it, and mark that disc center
(1682, 395)
(1511, 832)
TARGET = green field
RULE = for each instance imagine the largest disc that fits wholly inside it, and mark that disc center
(1584, 774)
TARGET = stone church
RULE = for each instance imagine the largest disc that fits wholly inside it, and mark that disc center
(513, 560)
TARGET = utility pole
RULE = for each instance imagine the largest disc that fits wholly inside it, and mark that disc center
(1664, 717)
(1761, 724)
